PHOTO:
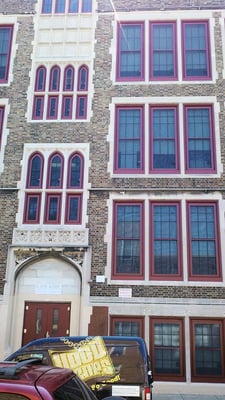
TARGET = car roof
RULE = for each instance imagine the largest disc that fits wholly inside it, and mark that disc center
(29, 372)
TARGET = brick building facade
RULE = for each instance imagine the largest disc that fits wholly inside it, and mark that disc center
(112, 178)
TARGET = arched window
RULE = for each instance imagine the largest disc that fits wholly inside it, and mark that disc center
(75, 171)
(83, 78)
(54, 79)
(55, 171)
(40, 79)
(35, 171)
(68, 81)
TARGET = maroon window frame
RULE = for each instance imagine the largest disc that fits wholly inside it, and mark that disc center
(38, 107)
(52, 110)
(205, 133)
(164, 136)
(128, 239)
(203, 241)
(196, 50)
(165, 241)
(75, 171)
(129, 144)
(81, 108)
(53, 208)
(162, 50)
(207, 350)
(67, 107)
(32, 208)
(40, 80)
(73, 200)
(68, 82)
(6, 33)
(123, 53)
(133, 326)
(167, 348)
(54, 79)
(35, 171)
(2, 112)
(82, 84)
(55, 171)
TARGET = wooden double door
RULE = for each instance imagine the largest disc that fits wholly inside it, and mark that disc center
(43, 319)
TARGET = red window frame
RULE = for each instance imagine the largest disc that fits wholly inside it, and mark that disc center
(124, 275)
(2, 113)
(195, 375)
(207, 50)
(81, 158)
(192, 170)
(82, 81)
(52, 114)
(163, 138)
(64, 114)
(69, 197)
(49, 197)
(120, 32)
(81, 107)
(38, 109)
(54, 80)
(127, 319)
(204, 277)
(50, 171)
(168, 375)
(154, 275)
(29, 171)
(7, 54)
(28, 198)
(68, 83)
(173, 76)
(117, 168)
(40, 81)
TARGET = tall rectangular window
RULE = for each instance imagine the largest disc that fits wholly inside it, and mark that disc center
(199, 135)
(47, 6)
(204, 259)
(53, 209)
(32, 208)
(163, 139)
(129, 140)
(207, 355)
(165, 240)
(196, 50)
(167, 349)
(130, 63)
(86, 5)
(73, 209)
(5, 51)
(59, 6)
(73, 6)
(128, 240)
(163, 50)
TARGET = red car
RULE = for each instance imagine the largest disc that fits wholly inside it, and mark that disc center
(30, 380)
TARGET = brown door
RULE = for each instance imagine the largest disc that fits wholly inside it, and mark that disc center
(45, 319)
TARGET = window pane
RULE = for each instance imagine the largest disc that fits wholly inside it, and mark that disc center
(127, 328)
(129, 139)
(203, 240)
(196, 51)
(35, 173)
(69, 78)
(165, 239)
(167, 348)
(207, 339)
(47, 6)
(163, 50)
(73, 209)
(86, 5)
(5, 41)
(60, 6)
(130, 51)
(75, 172)
(164, 136)
(40, 79)
(32, 208)
(199, 138)
(73, 6)
(128, 239)
(55, 177)
(53, 209)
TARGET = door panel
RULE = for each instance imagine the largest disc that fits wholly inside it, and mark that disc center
(45, 319)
